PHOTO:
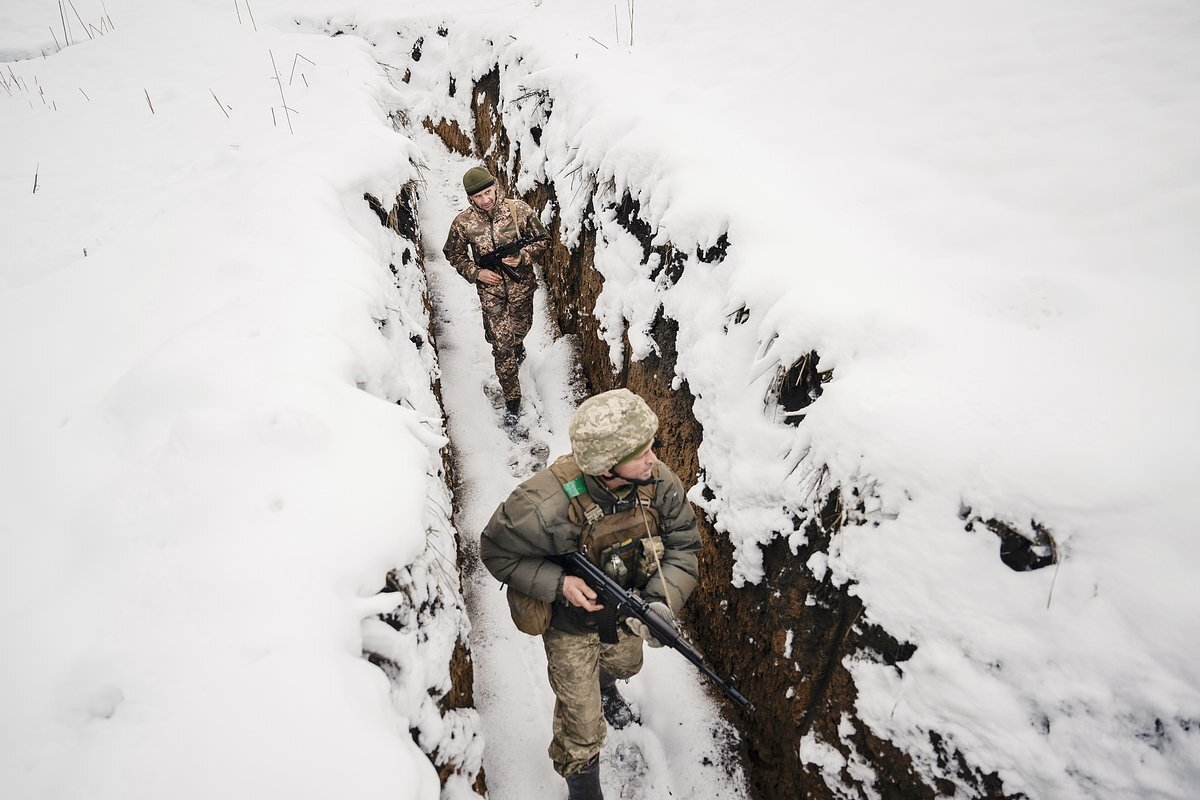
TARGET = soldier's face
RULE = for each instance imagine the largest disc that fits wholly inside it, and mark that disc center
(485, 199)
(640, 467)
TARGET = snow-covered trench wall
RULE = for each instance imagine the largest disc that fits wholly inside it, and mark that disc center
(421, 643)
(610, 281)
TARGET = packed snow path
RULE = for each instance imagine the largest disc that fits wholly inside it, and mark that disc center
(687, 748)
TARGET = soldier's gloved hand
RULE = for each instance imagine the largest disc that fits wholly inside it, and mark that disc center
(640, 628)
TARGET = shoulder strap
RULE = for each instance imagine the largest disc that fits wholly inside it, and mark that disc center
(583, 507)
(512, 207)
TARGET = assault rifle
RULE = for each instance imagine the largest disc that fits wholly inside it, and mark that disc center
(494, 262)
(619, 604)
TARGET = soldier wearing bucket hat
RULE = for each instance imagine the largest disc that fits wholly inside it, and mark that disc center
(491, 221)
(613, 499)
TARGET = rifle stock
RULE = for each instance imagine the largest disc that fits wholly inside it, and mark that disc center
(619, 604)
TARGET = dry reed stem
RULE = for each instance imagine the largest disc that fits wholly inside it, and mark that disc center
(36, 170)
(238, 10)
(286, 110)
(251, 12)
(294, 61)
(85, 97)
(1057, 564)
(56, 44)
(81, 22)
(62, 15)
(223, 111)
(148, 101)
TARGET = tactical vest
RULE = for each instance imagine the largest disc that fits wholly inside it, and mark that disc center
(613, 541)
(625, 544)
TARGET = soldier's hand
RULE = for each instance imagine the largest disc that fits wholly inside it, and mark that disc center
(640, 628)
(513, 261)
(578, 593)
(486, 276)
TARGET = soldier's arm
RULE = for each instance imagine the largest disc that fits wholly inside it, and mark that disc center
(457, 251)
(513, 547)
(681, 538)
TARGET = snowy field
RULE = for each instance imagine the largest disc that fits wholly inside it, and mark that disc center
(219, 435)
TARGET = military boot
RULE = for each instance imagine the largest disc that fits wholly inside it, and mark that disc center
(512, 411)
(585, 784)
(617, 712)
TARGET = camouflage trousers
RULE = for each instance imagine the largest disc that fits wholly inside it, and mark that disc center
(573, 662)
(507, 317)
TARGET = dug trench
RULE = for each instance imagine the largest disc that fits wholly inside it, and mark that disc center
(793, 665)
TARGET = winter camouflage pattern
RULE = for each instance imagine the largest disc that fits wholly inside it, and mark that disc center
(609, 428)
(535, 521)
(507, 307)
(507, 317)
(573, 663)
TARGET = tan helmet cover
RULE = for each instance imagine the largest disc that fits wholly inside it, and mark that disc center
(610, 428)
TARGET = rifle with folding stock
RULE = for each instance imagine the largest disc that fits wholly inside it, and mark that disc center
(495, 259)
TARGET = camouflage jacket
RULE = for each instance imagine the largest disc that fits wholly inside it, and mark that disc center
(475, 233)
(533, 522)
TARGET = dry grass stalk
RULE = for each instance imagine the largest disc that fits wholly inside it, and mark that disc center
(294, 62)
(1057, 564)
(148, 101)
(84, 26)
(219, 105)
(286, 111)
(62, 15)
(36, 170)
(85, 97)
(250, 11)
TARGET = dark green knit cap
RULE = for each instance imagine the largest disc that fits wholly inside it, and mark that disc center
(476, 180)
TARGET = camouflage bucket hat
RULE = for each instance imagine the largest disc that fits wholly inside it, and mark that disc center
(477, 179)
(609, 429)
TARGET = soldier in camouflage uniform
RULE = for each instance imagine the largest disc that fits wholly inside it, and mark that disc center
(489, 222)
(611, 498)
